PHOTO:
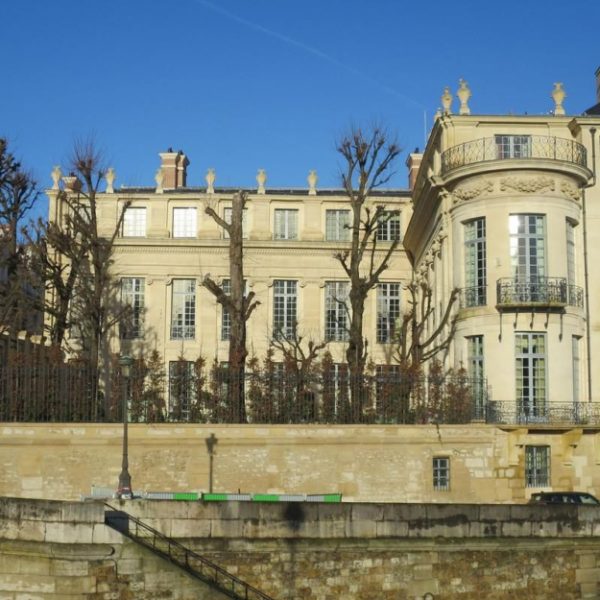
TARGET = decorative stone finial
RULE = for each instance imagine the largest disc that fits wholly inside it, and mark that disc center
(110, 180)
(210, 181)
(447, 101)
(438, 114)
(558, 95)
(159, 178)
(312, 183)
(463, 93)
(71, 183)
(261, 179)
(56, 175)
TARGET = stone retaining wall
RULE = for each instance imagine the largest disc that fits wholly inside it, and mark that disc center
(49, 550)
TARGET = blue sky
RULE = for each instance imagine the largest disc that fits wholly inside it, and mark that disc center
(246, 84)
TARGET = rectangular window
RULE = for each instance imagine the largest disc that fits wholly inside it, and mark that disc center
(475, 369)
(337, 225)
(285, 304)
(285, 224)
(225, 315)
(134, 222)
(336, 311)
(530, 369)
(183, 309)
(441, 473)
(528, 257)
(537, 466)
(388, 311)
(388, 228)
(132, 296)
(576, 369)
(513, 146)
(184, 222)
(571, 278)
(227, 216)
(475, 263)
(182, 385)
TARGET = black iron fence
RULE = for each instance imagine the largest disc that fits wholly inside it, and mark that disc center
(63, 393)
(524, 147)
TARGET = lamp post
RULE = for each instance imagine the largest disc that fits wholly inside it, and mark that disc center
(124, 489)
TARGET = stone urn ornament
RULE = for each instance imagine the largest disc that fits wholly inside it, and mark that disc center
(56, 175)
(447, 101)
(463, 93)
(159, 178)
(110, 180)
(261, 179)
(558, 95)
(210, 181)
(312, 182)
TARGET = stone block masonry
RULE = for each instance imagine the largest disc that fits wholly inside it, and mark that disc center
(51, 550)
(365, 463)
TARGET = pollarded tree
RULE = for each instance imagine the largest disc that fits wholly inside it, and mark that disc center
(18, 194)
(369, 158)
(238, 305)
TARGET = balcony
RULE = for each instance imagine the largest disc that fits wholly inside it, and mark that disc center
(537, 292)
(525, 148)
(555, 413)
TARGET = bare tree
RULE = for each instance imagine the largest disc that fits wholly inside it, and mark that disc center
(299, 362)
(369, 158)
(414, 346)
(238, 305)
(18, 194)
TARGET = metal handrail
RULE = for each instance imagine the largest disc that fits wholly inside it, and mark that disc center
(187, 559)
(542, 412)
(530, 147)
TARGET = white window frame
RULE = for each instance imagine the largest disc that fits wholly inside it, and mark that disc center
(537, 466)
(441, 473)
(388, 228)
(528, 248)
(134, 222)
(388, 310)
(337, 225)
(185, 222)
(228, 215)
(531, 372)
(476, 371)
(183, 309)
(513, 146)
(475, 250)
(285, 223)
(133, 295)
(336, 311)
(285, 307)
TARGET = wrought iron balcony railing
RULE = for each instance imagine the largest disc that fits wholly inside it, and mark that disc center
(541, 292)
(543, 413)
(529, 147)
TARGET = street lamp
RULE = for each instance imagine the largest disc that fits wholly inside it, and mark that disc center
(124, 489)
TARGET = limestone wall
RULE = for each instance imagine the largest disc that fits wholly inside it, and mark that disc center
(51, 550)
(58, 550)
(364, 463)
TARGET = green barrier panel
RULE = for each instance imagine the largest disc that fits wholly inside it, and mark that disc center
(265, 498)
(214, 497)
(185, 496)
(332, 497)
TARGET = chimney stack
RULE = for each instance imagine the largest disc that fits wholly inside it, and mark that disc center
(174, 169)
(413, 163)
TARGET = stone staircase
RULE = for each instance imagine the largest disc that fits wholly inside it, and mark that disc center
(192, 563)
